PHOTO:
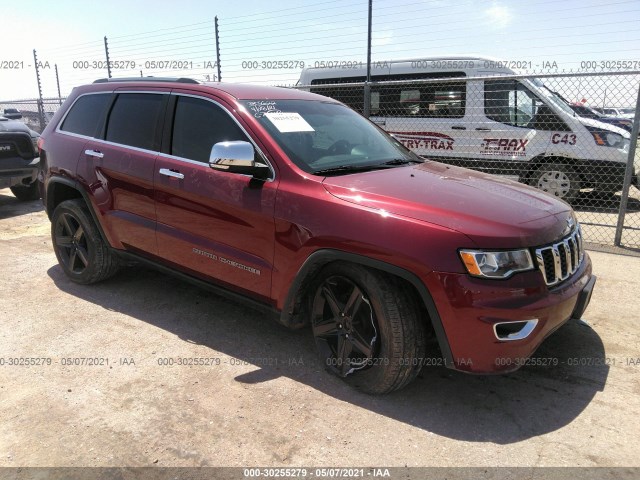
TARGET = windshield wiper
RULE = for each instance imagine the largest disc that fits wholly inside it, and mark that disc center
(352, 168)
(400, 161)
(364, 168)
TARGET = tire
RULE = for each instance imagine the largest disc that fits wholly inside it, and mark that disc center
(557, 179)
(26, 193)
(78, 245)
(367, 328)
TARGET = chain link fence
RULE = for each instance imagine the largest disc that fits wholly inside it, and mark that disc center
(34, 113)
(539, 130)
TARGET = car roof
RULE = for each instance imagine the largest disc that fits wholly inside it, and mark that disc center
(239, 91)
(243, 91)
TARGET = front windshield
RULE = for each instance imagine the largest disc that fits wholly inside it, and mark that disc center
(553, 97)
(323, 136)
(590, 112)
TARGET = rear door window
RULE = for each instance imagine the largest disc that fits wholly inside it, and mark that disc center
(136, 120)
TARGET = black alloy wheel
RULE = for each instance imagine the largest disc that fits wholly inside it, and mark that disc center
(367, 327)
(82, 253)
(344, 327)
(71, 242)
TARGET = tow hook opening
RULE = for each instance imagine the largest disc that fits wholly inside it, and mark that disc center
(509, 331)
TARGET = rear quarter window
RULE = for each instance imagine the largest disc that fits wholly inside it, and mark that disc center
(85, 113)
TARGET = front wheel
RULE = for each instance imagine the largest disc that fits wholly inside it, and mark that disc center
(557, 179)
(78, 245)
(26, 192)
(367, 328)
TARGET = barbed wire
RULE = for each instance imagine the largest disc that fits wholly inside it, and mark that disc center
(319, 32)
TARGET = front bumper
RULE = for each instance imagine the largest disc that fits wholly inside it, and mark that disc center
(18, 171)
(473, 311)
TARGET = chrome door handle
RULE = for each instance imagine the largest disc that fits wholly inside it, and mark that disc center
(379, 122)
(94, 153)
(458, 127)
(171, 173)
(483, 129)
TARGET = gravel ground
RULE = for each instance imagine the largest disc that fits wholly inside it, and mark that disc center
(265, 399)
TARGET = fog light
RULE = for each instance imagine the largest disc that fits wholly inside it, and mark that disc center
(509, 331)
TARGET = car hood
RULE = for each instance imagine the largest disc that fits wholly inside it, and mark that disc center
(590, 122)
(493, 212)
(7, 125)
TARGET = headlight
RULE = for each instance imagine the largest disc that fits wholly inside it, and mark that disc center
(605, 138)
(625, 144)
(496, 264)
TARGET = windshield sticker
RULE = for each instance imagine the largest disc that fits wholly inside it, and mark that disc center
(262, 107)
(287, 122)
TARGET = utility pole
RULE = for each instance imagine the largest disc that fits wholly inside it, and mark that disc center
(367, 85)
(106, 53)
(58, 84)
(40, 103)
(218, 50)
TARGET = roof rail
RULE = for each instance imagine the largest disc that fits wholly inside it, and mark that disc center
(147, 79)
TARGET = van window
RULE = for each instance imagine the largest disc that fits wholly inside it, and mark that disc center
(512, 103)
(198, 125)
(85, 114)
(135, 120)
(431, 100)
(351, 96)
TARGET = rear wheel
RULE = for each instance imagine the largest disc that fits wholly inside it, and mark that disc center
(26, 192)
(78, 245)
(366, 328)
(557, 179)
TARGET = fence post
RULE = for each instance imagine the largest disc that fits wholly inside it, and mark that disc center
(58, 84)
(367, 85)
(106, 52)
(40, 106)
(218, 50)
(628, 173)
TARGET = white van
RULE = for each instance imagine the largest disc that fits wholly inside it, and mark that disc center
(508, 126)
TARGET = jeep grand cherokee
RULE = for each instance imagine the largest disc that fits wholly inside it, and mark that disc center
(298, 205)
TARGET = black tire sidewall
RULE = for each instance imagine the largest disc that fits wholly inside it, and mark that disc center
(27, 192)
(77, 209)
(389, 365)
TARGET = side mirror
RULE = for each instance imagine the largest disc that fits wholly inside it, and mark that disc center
(237, 157)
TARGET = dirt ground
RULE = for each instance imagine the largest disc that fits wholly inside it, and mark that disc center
(264, 399)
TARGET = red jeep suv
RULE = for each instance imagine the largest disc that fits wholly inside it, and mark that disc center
(294, 203)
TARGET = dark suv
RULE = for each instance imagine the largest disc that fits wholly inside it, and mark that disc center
(298, 205)
(19, 159)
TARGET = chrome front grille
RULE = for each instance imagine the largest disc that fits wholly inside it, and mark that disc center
(559, 261)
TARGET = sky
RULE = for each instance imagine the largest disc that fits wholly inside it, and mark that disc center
(268, 42)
